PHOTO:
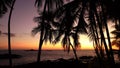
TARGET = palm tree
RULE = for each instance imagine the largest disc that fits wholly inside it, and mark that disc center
(49, 6)
(47, 31)
(9, 39)
(67, 41)
(102, 23)
(68, 16)
(97, 13)
(4, 6)
(94, 35)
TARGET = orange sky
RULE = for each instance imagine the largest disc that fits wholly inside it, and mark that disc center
(30, 42)
(21, 25)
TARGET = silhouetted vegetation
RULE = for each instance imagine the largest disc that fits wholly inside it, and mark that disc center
(91, 17)
(67, 21)
(44, 21)
(9, 32)
(4, 6)
(116, 32)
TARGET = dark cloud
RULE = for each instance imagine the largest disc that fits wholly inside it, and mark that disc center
(6, 34)
(0, 32)
(12, 34)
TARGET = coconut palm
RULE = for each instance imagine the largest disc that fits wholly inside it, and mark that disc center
(97, 25)
(94, 36)
(44, 22)
(4, 6)
(45, 28)
(67, 42)
(97, 13)
(102, 23)
(70, 27)
(72, 19)
(9, 39)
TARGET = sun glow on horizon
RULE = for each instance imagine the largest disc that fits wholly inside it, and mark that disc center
(22, 27)
(28, 42)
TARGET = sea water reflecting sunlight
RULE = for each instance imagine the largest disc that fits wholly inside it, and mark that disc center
(31, 56)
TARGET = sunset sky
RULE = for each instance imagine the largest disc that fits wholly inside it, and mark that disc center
(21, 25)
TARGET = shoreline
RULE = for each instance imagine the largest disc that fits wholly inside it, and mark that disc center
(15, 56)
(83, 62)
(59, 63)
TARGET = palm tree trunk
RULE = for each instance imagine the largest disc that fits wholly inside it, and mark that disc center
(95, 34)
(74, 52)
(41, 35)
(9, 39)
(109, 43)
(102, 35)
(40, 48)
(96, 43)
(108, 37)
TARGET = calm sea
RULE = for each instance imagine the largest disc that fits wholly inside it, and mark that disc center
(31, 56)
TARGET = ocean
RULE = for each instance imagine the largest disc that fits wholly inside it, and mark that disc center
(31, 56)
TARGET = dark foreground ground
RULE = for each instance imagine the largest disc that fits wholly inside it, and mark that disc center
(84, 62)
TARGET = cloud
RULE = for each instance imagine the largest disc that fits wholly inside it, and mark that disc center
(6, 34)
(11, 34)
(0, 32)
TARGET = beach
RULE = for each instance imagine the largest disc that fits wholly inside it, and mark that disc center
(63, 63)
(53, 59)
(31, 56)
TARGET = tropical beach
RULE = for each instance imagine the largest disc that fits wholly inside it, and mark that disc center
(59, 33)
(84, 62)
(53, 59)
(27, 56)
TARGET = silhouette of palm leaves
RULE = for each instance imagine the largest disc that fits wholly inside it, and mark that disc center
(85, 16)
(50, 3)
(48, 29)
(44, 20)
(97, 13)
(4, 6)
(67, 16)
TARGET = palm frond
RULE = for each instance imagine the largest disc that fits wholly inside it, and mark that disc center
(4, 6)
(38, 3)
(36, 30)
